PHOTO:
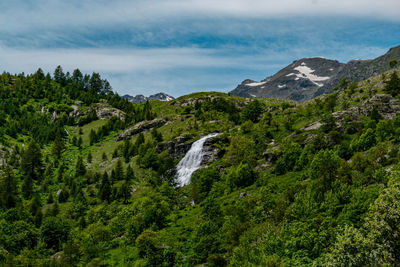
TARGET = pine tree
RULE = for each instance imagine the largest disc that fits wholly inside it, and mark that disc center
(125, 191)
(80, 168)
(129, 173)
(27, 187)
(80, 141)
(8, 189)
(105, 188)
(59, 75)
(74, 141)
(126, 149)
(89, 157)
(58, 146)
(31, 161)
(35, 204)
(119, 171)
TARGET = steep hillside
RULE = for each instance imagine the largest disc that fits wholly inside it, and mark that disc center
(310, 77)
(89, 179)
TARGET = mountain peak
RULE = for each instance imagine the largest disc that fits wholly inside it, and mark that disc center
(310, 77)
(141, 98)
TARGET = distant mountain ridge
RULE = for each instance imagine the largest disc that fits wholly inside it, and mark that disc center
(142, 98)
(307, 78)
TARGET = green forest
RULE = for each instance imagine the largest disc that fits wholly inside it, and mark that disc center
(88, 178)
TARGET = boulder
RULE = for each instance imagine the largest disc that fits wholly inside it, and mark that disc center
(313, 126)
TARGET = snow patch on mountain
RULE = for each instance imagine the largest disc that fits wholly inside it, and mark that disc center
(256, 84)
(307, 73)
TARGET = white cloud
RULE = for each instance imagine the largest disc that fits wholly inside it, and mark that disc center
(20, 16)
(174, 70)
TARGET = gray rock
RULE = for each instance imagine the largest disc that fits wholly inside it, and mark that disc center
(105, 112)
(387, 106)
(140, 127)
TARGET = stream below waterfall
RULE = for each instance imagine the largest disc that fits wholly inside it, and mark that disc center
(192, 161)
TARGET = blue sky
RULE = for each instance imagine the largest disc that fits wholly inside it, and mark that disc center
(184, 46)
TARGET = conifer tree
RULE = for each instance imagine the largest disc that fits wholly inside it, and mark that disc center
(80, 141)
(105, 188)
(80, 168)
(35, 204)
(126, 149)
(89, 157)
(119, 171)
(58, 146)
(125, 191)
(8, 189)
(31, 161)
(27, 187)
(129, 173)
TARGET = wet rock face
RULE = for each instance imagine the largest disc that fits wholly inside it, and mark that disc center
(140, 127)
(176, 147)
(210, 152)
(181, 145)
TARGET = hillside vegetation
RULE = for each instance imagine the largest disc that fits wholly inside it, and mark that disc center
(88, 178)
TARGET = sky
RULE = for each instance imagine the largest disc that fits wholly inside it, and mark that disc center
(184, 46)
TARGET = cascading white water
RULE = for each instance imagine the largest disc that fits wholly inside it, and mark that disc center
(192, 161)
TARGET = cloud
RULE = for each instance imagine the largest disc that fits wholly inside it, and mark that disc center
(23, 15)
(174, 70)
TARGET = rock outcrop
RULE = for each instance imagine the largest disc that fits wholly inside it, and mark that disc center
(140, 127)
(176, 147)
(387, 107)
(105, 112)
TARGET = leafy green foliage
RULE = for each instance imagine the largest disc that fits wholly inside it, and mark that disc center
(277, 192)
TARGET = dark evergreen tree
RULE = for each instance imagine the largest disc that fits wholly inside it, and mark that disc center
(80, 141)
(129, 173)
(59, 76)
(126, 150)
(119, 171)
(96, 84)
(31, 161)
(105, 188)
(27, 187)
(8, 189)
(80, 168)
(125, 191)
(89, 157)
(58, 146)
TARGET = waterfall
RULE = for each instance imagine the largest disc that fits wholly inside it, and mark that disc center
(192, 161)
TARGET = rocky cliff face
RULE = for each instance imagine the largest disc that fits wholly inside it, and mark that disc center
(310, 77)
(299, 81)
